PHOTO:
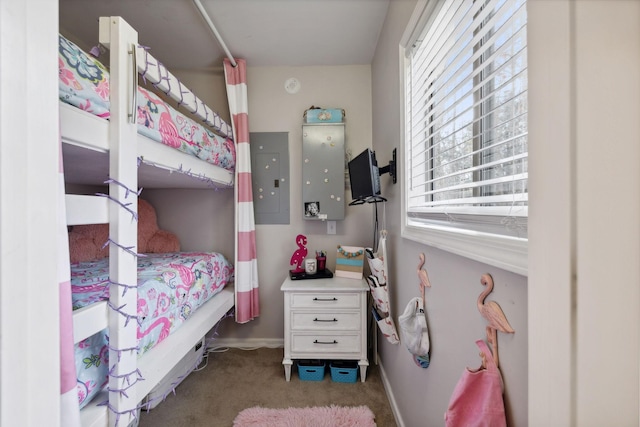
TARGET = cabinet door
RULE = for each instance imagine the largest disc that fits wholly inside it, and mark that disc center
(323, 171)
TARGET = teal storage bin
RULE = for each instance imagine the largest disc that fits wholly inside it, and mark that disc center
(344, 371)
(311, 370)
(324, 115)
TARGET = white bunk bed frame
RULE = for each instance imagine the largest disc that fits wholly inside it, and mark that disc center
(93, 145)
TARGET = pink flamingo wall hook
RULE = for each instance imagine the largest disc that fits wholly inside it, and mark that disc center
(494, 315)
(300, 254)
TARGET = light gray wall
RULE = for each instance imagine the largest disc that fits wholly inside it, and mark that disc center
(580, 288)
(206, 225)
(272, 109)
(422, 395)
(370, 96)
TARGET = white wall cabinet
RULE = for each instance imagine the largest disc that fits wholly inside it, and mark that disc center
(323, 171)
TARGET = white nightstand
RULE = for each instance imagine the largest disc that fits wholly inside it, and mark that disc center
(325, 319)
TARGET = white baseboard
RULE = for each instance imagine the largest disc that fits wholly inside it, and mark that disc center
(390, 395)
(246, 343)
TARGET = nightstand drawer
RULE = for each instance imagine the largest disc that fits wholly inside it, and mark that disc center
(326, 321)
(317, 344)
(325, 300)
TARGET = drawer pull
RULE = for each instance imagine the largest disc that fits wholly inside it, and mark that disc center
(325, 299)
(325, 320)
(325, 342)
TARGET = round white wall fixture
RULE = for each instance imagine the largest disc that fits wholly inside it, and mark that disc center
(292, 85)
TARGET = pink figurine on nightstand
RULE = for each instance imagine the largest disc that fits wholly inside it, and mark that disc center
(300, 254)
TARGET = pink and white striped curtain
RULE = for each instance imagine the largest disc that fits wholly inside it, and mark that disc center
(69, 406)
(246, 268)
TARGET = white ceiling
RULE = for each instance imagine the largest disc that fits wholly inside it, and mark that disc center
(264, 32)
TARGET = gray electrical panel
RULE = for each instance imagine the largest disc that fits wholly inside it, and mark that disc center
(270, 177)
(323, 171)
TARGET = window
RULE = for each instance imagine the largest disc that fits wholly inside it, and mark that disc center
(465, 146)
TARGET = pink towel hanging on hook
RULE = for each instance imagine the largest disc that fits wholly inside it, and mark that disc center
(477, 399)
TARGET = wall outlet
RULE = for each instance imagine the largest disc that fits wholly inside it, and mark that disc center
(331, 227)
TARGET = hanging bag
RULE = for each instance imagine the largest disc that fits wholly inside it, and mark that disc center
(414, 331)
(477, 399)
(377, 281)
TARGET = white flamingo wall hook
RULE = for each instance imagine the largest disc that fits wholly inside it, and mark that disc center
(494, 315)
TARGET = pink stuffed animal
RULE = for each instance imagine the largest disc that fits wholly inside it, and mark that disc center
(86, 241)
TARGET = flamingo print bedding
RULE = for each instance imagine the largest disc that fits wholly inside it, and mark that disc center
(171, 287)
(92, 366)
(84, 83)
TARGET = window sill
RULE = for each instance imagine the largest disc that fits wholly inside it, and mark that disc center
(508, 253)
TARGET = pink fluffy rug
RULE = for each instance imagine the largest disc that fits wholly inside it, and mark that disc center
(319, 416)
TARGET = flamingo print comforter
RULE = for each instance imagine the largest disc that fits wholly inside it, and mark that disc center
(84, 83)
(171, 287)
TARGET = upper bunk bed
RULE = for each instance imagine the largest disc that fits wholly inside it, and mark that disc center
(205, 148)
(108, 148)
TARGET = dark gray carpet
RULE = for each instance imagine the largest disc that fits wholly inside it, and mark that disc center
(239, 379)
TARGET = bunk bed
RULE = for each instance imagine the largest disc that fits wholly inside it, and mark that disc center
(116, 142)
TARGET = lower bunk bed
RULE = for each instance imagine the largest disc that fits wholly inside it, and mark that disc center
(172, 289)
(156, 364)
(179, 297)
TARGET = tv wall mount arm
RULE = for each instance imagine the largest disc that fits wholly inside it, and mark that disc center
(390, 168)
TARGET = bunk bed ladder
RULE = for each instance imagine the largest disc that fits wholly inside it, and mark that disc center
(117, 405)
(121, 39)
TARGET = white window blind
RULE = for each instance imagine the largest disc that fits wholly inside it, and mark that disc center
(466, 119)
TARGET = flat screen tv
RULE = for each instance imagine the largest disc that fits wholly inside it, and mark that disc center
(364, 176)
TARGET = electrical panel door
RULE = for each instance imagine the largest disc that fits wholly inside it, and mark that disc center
(270, 177)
